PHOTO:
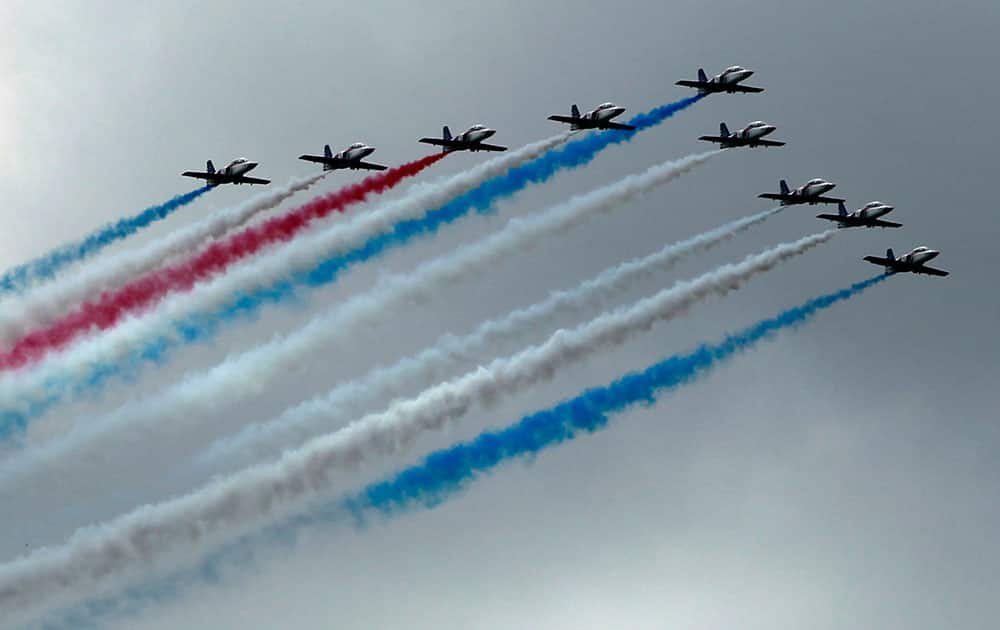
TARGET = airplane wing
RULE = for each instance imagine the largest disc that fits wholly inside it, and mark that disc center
(694, 84)
(718, 139)
(319, 159)
(931, 271)
(775, 196)
(746, 89)
(448, 144)
(884, 224)
(252, 180)
(832, 217)
(368, 166)
(614, 125)
(769, 143)
(565, 119)
(488, 147)
(823, 200)
(209, 177)
(876, 260)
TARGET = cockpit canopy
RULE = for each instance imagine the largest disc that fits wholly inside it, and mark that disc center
(357, 145)
(814, 182)
(241, 160)
(757, 123)
(606, 106)
(735, 69)
(477, 127)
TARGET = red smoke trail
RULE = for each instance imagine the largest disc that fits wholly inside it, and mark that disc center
(110, 306)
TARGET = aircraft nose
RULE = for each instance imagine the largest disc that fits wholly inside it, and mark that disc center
(488, 132)
(618, 111)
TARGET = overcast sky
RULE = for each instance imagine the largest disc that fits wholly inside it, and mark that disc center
(841, 476)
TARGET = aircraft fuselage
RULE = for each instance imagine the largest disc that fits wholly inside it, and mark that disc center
(755, 131)
(355, 153)
(920, 255)
(238, 167)
(475, 133)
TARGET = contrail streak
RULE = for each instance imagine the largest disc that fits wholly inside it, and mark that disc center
(196, 315)
(237, 505)
(482, 198)
(432, 365)
(44, 268)
(248, 373)
(142, 293)
(21, 314)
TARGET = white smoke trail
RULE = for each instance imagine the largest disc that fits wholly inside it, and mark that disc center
(350, 399)
(22, 389)
(248, 373)
(23, 313)
(152, 536)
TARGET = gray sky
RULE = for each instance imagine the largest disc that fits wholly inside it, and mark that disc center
(842, 476)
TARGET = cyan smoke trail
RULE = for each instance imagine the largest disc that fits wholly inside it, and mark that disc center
(206, 325)
(447, 472)
(24, 276)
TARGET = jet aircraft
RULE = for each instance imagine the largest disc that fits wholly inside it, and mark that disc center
(729, 81)
(809, 193)
(868, 216)
(469, 140)
(912, 262)
(750, 136)
(352, 157)
(597, 118)
(233, 173)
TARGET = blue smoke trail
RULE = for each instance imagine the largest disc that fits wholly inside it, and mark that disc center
(45, 267)
(204, 326)
(445, 473)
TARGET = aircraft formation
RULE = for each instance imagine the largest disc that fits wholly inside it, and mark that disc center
(753, 135)
(216, 267)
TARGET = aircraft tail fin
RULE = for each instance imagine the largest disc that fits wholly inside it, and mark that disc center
(889, 254)
(446, 133)
(327, 151)
(784, 187)
(723, 130)
(574, 111)
(702, 76)
(842, 209)
(209, 167)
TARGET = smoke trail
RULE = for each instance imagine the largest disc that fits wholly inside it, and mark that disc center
(350, 399)
(46, 303)
(187, 317)
(24, 276)
(206, 325)
(235, 506)
(110, 307)
(248, 373)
